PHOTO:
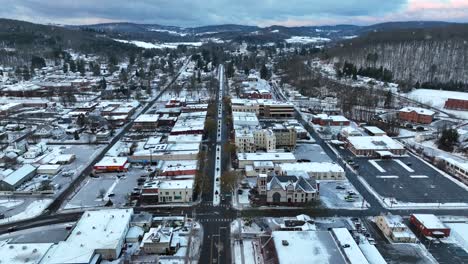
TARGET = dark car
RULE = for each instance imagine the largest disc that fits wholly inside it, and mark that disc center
(339, 187)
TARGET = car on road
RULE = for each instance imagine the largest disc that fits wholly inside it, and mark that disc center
(409, 163)
(111, 194)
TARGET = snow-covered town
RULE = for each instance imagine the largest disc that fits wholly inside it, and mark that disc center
(226, 144)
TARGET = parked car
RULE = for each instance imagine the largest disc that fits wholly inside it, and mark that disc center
(339, 187)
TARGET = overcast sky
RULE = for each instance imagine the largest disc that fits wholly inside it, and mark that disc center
(249, 12)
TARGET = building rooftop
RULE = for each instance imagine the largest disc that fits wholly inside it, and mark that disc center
(374, 142)
(147, 118)
(352, 251)
(430, 221)
(266, 156)
(421, 111)
(111, 161)
(19, 174)
(21, 253)
(102, 229)
(304, 247)
(312, 167)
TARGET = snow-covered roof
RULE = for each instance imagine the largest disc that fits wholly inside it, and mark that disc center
(184, 138)
(338, 118)
(374, 130)
(421, 111)
(111, 161)
(19, 174)
(374, 142)
(176, 184)
(266, 156)
(352, 251)
(20, 253)
(96, 230)
(147, 118)
(430, 221)
(304, 247)
(312, 167)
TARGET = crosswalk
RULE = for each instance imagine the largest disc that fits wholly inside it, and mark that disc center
(211, 204)
(215, 220)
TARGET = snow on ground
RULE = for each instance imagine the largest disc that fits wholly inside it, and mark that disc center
(459, 231)
(306, 40)
(149, 45)
(335, 198)
(10, 203)
(34, 209)
(436, 98)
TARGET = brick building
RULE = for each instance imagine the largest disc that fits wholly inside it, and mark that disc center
(456, 104)
(416, 115)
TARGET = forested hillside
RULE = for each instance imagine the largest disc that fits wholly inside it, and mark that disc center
(432, 57)
(20, 41)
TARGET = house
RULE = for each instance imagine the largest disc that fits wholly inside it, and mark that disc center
(375, 146)
(416, 115)
(393, 227)
(429, 225)
(16, 178)
(112, 164)
(456, 104)
(287, 189)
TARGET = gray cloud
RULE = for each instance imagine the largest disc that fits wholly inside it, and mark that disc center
(194, 12)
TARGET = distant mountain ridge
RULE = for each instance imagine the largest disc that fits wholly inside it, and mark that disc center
(155, 32)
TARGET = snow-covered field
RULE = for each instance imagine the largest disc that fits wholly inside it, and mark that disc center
(437, 98)
(149, 45)
(306, 40)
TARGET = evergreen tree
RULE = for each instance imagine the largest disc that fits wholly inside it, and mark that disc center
(264, 72)
(72, 66)
(65, 67)
(448, 139)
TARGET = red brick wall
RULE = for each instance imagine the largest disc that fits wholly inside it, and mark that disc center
(456, 104)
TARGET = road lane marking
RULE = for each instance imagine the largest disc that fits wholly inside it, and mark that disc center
(377, 166)
(419, 176)
(404, 165)
(387, 177)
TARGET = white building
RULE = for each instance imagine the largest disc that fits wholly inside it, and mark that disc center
(97, 235)
(244, 140)
(393, 227)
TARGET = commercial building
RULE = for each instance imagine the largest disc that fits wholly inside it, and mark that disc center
(16, 178)
(97, 235)
(20, 253)
(429, 225)
(380, 146)
(244, 140)
(316, 170)
(286, 137)
(264, 139)
(112, 164)
(178, 168)
(456, 104)
(416, 115)
(245, 159)
(351, 250)
(146, 122)
(274, 109)
(169, 191)
(333, 120)
(48, 169)
(303, 247)
(157, 240)
(392, 226)
(244, 119)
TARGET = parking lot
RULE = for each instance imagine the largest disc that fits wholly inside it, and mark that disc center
(340, 195)
(95, 192)
(409, 180)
